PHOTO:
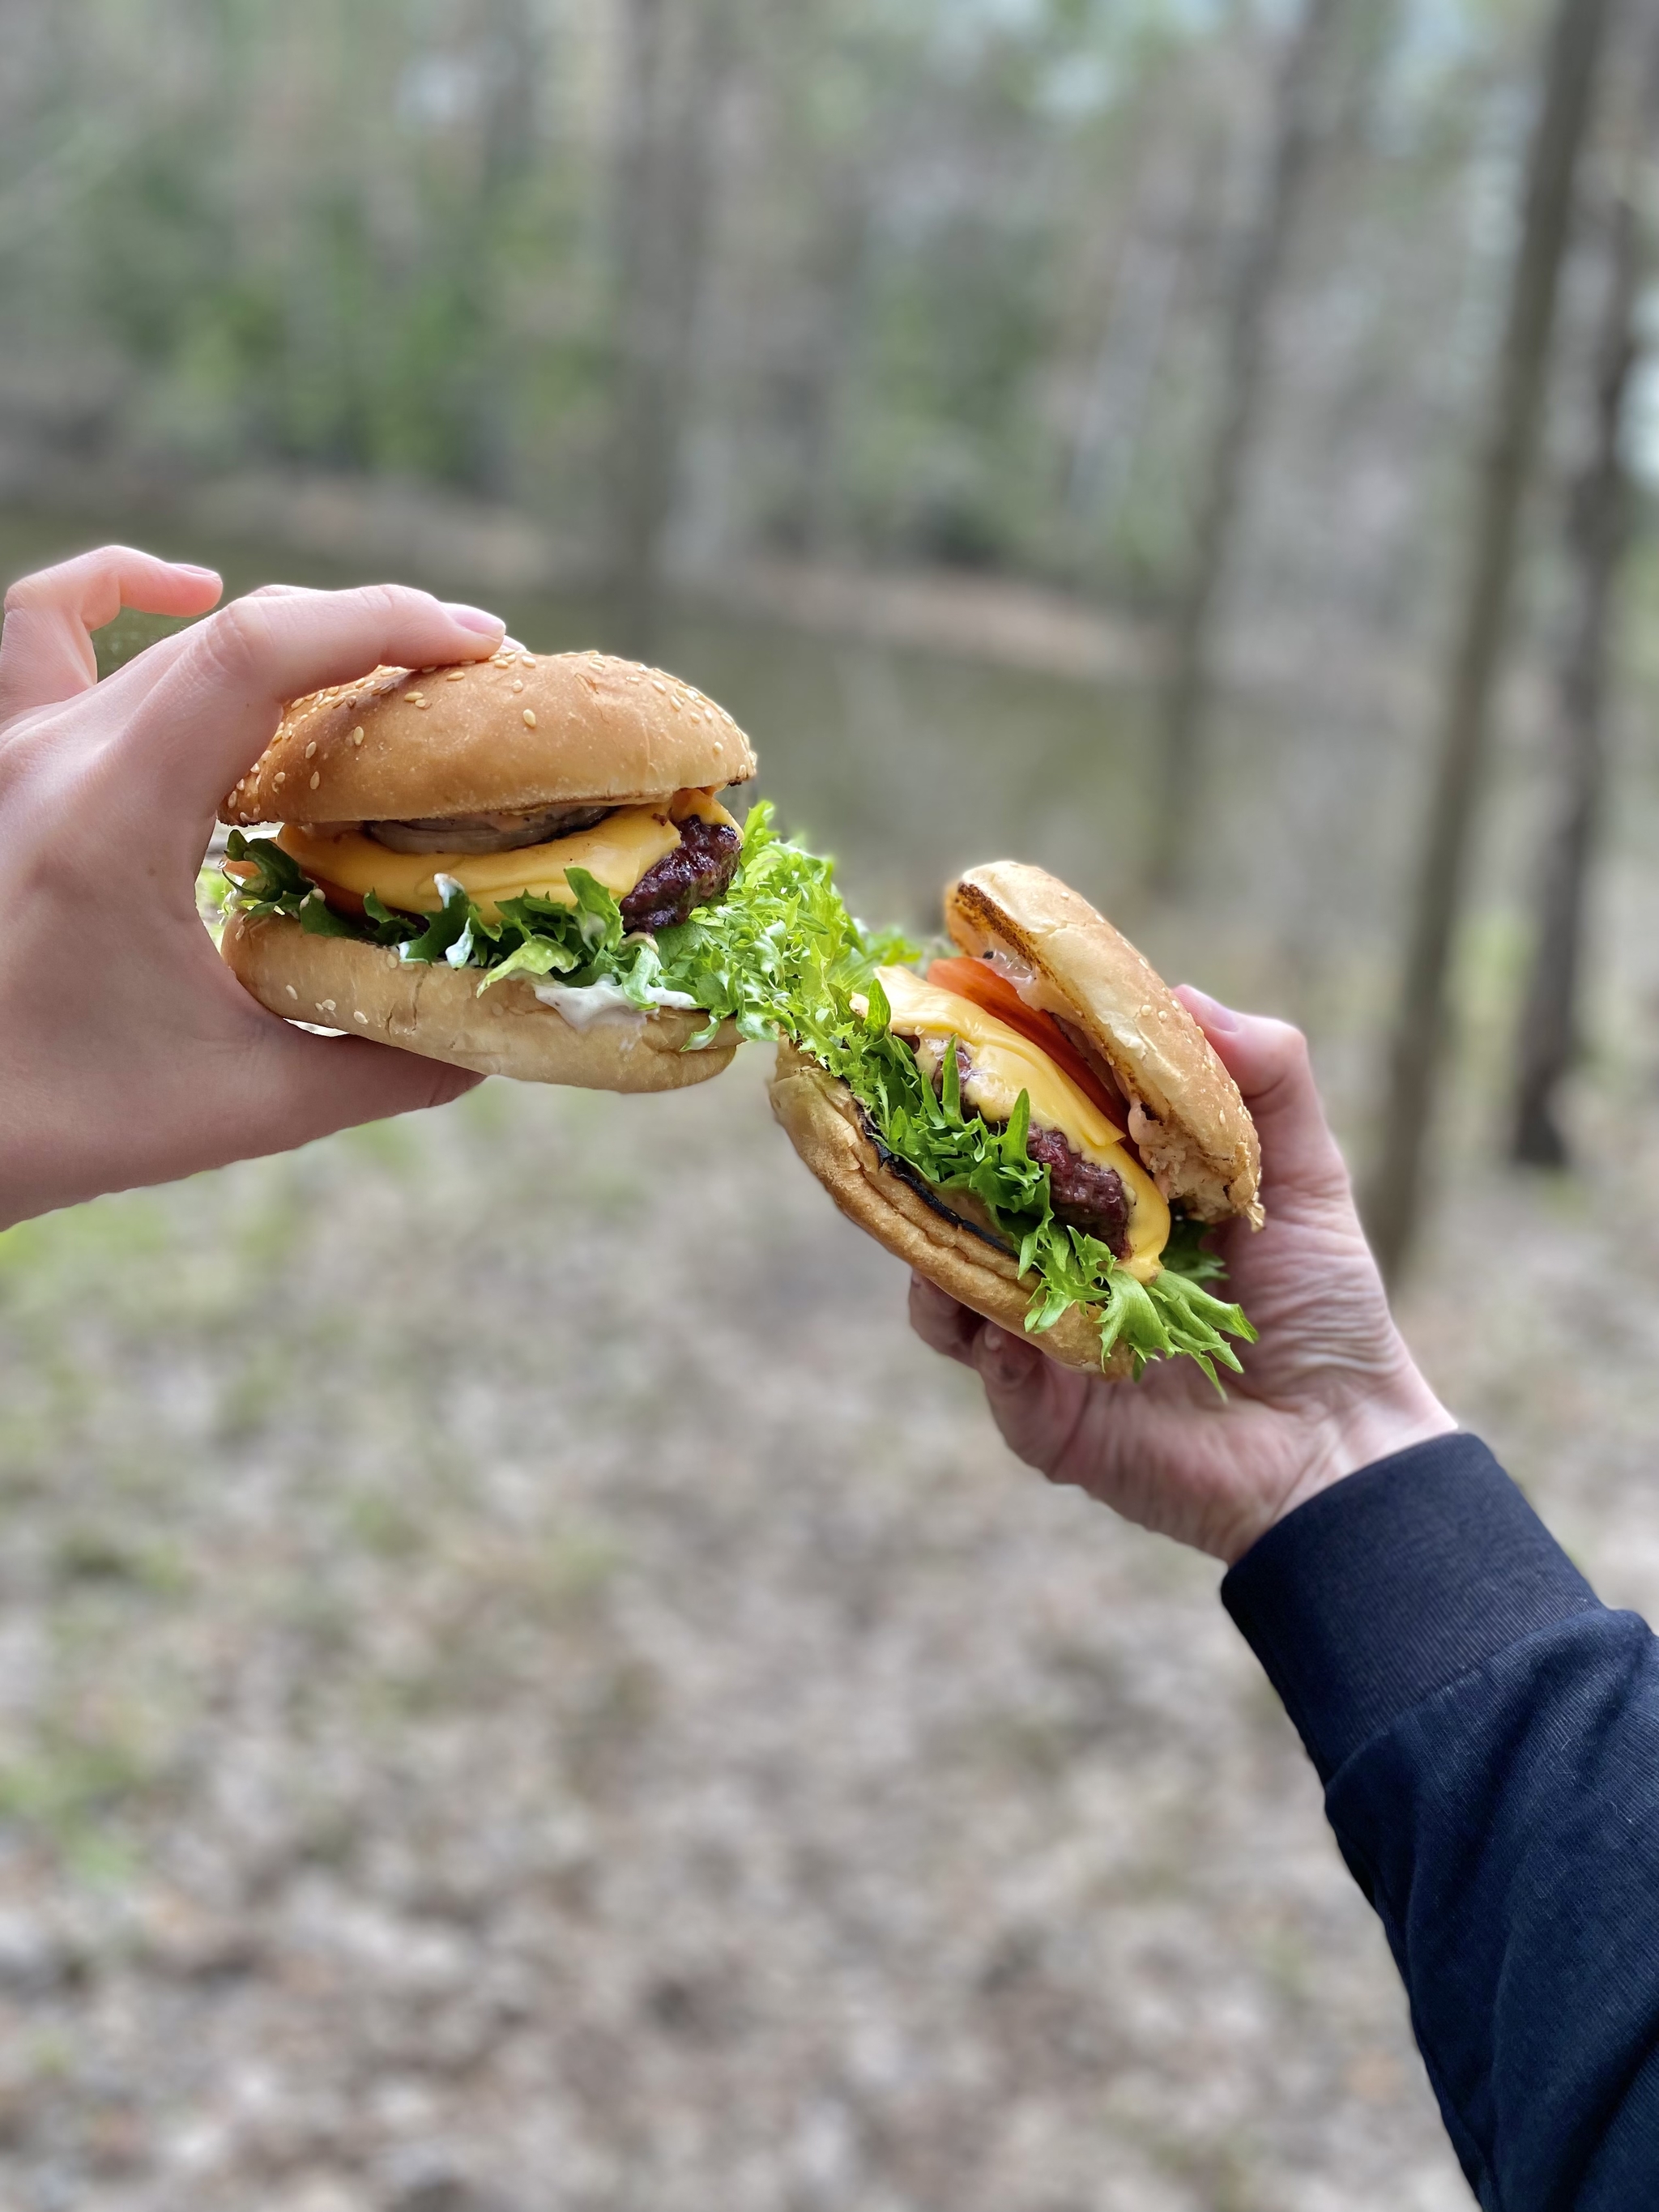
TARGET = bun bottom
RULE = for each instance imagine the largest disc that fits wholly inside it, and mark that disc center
(820, 1118)
(339, 982)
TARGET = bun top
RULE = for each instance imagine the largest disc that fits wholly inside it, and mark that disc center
(518, 731)
(1186, 1117)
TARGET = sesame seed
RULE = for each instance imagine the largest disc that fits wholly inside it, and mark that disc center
(456, 676)
(518, 684)
(363, 1018)
(316, 778)
(292, 992)
(528, 658)
(279, 778)
(529, 719)
(414, 699)
(357, 737)
(310, 749)
(421, 704)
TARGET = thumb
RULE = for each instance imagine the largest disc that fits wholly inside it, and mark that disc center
(1268, 1061)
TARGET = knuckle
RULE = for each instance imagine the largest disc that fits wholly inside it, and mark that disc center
(233, 642)
(390, 603)
(46, 586)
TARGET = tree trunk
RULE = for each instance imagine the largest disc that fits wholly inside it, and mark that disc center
(1597, 531)
(1262, 261)
(674, 53)
(1570, 59)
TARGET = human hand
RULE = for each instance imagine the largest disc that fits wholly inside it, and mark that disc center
(1328, 1387)
(129, 1053)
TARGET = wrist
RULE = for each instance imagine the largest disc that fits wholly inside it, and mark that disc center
(1360, 1427)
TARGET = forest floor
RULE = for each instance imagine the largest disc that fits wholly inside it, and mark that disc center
(523, 1689)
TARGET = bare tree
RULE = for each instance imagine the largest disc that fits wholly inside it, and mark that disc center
(1261, 260)
(673, 55)
(1597, 531)
(1569, 58)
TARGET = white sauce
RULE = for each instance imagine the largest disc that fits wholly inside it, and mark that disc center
(582, 1004)
(592, 1002)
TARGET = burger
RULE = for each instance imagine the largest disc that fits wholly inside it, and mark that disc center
(523, 865)
(497, 864)
(1037, 1125)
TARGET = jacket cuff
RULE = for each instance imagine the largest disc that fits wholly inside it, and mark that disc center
(1391, 1583)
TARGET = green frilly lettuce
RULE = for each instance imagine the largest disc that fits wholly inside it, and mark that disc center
(780, 955)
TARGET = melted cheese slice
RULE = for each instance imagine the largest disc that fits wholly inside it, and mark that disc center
(1005, 1063)
(617, 852)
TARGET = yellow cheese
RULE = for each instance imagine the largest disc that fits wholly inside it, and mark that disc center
(1005, 1063)
(617, 852)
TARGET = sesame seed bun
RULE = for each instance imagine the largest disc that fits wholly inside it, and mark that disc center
(518, 731)
(340, 982)
(1188, 1122)
(821, 1120)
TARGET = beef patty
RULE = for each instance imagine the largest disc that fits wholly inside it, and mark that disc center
(693, 874)
(1084, 1195)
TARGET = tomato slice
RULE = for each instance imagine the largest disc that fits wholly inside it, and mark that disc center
(342, 900)
(976, 979)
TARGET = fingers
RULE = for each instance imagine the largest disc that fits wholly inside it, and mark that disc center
(307, 1087)
(1268, 1061)
(218, 704)
(46, 650)
(943, 1325)
(1037, 1403)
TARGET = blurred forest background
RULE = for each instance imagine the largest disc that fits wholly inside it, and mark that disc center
(1206, 446)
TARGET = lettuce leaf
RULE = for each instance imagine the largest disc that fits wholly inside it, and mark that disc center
(780, 955)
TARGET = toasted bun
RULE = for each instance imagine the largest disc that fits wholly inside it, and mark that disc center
(821, 1120)
(486, 737)
(1186, 1117)
(339, 982)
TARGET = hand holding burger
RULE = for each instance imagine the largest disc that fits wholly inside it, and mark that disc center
(1328, 1387)
(131, 1054)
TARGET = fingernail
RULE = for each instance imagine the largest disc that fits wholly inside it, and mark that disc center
(1211, 1014)
(194, 569)
(475, 618)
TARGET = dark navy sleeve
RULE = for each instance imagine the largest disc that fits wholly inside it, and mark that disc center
(1487, 1733)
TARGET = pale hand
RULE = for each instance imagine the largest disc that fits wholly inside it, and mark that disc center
(129, 1053)
(1328, 1387)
